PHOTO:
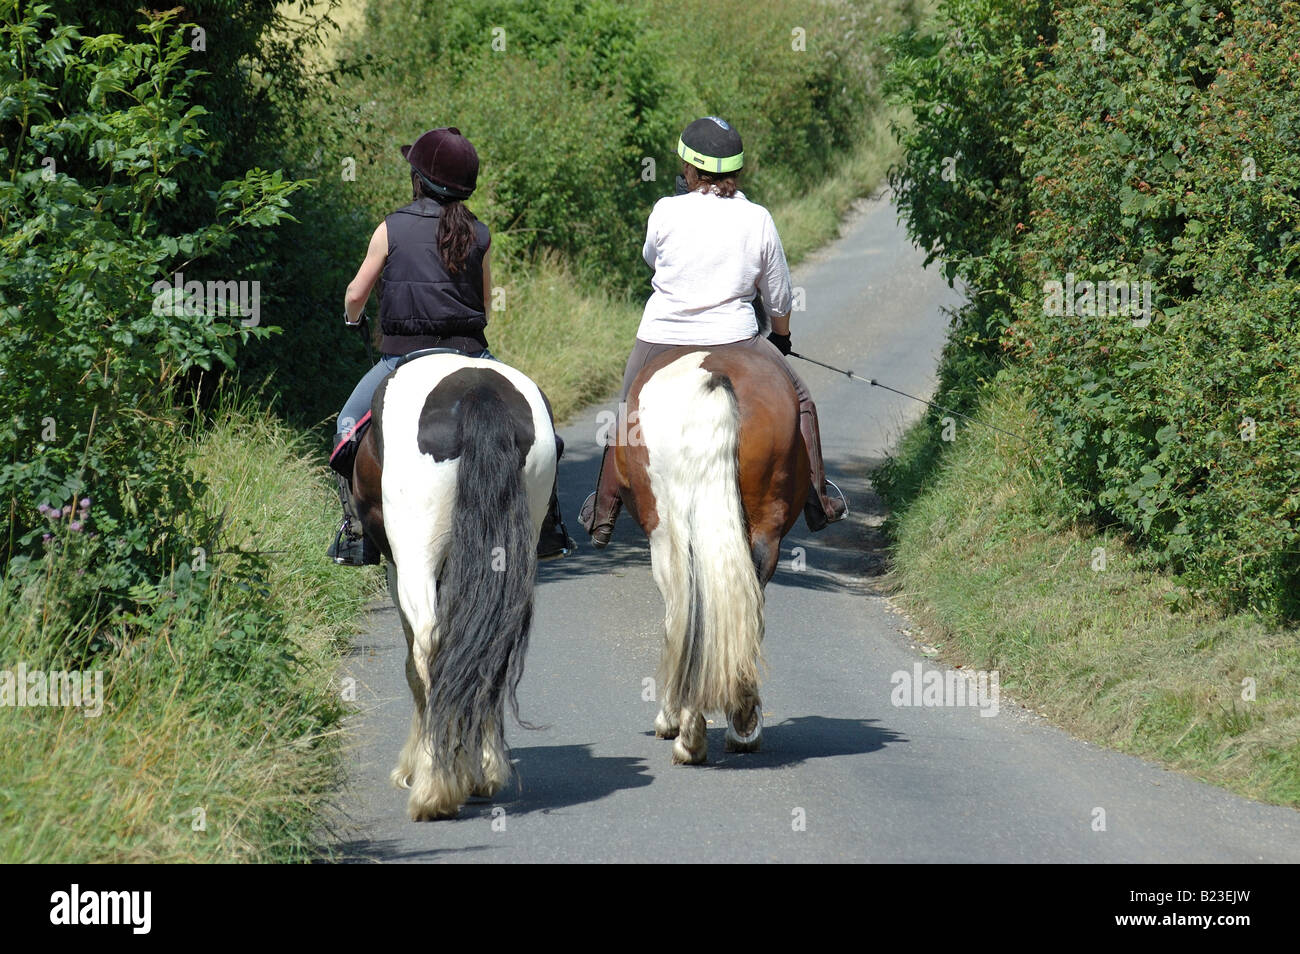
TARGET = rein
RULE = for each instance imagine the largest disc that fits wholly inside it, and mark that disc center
(874, 383)
(364, 325)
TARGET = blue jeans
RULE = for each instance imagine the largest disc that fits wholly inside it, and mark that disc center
(358, 404)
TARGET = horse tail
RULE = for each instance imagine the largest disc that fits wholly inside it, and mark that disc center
(485, 591)
(712, 597)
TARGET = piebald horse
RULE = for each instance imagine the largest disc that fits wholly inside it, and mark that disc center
(452, 482)
(713, 467)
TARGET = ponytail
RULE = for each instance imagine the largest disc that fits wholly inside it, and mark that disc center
(455, 235)
(455, 227)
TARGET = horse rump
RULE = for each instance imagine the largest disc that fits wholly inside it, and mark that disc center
(485, 593)
(690, 423)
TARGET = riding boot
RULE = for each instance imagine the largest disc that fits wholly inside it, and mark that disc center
(820, 509)
(600, 509)
(554, 540)
(351, 547)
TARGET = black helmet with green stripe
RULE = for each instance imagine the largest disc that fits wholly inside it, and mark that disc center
(711, 145)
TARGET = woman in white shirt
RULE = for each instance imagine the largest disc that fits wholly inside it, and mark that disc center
(713, 251)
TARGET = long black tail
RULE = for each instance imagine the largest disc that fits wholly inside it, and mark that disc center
(485, 592)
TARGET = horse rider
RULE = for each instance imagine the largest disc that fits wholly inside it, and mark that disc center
(713, 252)
(433, 257)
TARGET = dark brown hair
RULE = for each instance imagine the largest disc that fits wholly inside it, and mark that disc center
(455, 227)
(723, 183)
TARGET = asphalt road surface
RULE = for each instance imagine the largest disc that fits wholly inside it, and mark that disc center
(844, 774)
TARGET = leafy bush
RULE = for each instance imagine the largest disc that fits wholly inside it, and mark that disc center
(960, 186)
(1143, 143)
(566, 100)
(90, 349)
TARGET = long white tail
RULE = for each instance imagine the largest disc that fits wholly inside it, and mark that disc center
(700, 549)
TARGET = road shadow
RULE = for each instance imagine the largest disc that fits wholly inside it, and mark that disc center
(802, 739)
(547, 778)
(551, 777)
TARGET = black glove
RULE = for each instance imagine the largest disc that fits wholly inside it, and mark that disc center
(782, 342)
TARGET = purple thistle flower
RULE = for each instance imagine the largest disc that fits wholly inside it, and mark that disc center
(45, 538)
(42, 508)
(75, 526)
(85, 503)
(67, 510)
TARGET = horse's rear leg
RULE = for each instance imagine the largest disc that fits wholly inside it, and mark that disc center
(437, 790)
(668, 721)
(692, 745)
(675, 721)
(745, 721)
(496, 765)
(401, 775)
(679, 722)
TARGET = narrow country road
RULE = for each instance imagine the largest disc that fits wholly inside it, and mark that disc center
(844, 775)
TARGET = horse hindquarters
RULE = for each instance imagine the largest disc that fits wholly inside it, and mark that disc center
(484, 611)
(700, 551)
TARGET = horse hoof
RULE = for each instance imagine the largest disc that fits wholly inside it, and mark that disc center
(486, 790)
(748, 741)
(424, 805)
(665, 729)
(420, 813)
(684, 756)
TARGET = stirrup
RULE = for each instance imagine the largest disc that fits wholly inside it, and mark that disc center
(843, 499)
(349, 550)
(557, 544)
(815, 515)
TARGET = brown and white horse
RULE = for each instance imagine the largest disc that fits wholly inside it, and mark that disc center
(452, 482)
(713, 467)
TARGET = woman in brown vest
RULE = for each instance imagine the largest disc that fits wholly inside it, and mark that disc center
(433, 257)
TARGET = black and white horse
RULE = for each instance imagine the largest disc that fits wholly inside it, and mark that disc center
(452, 482)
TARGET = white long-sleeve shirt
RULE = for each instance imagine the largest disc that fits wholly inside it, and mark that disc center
(711, 256)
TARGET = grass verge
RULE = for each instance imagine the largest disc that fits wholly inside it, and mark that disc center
(1120, 655)
(218, 735)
